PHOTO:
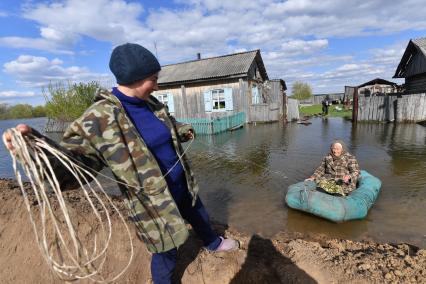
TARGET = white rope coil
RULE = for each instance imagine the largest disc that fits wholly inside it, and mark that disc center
(68, 255)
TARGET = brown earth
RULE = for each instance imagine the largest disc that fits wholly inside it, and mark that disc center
(284, 258)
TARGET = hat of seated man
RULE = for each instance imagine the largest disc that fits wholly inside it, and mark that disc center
(132, 62)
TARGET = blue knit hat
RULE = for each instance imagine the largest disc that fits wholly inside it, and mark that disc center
(132, 62)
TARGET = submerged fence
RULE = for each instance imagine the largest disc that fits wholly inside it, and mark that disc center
(216, 125)
(201, 125)
(400, 108)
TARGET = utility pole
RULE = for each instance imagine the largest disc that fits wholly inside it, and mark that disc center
(355, 106)
(155, 46)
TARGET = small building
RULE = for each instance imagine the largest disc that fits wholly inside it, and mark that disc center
(317, 99)
(221, 86)
(412, 67)
(331, 97)
(377, 86)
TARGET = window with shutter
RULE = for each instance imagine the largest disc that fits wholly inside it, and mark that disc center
(167, 99)
(218, 100)
(207, 101)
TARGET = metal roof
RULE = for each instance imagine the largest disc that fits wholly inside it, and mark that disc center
(413, 61)
(378, 81)
(421, 43)
(214, 68)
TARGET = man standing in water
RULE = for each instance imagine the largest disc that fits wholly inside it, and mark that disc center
(325, 106)
(132, 133)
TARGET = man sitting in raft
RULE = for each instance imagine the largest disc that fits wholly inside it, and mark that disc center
(338, 172)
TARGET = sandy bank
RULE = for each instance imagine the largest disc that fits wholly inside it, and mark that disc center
(285, 258)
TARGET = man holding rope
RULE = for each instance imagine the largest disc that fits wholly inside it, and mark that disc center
(132, 133)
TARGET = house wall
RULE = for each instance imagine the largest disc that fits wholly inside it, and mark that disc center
(415, 84)
(416, 65)
(273, 105)
(377, 88)
(189, 99)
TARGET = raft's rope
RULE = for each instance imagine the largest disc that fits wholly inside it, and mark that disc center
(31, 153)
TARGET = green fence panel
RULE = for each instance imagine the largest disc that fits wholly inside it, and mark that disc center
(213, 126)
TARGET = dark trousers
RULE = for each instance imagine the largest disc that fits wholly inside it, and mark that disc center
(163, 264)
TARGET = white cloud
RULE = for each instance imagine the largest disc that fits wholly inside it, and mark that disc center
(296, 47)
(34, 43)
(32, 71)
(3, 14)
(15, 94)
(285, 31)
(108, 20)
(390, 56)
(62, 24)
(218, 25)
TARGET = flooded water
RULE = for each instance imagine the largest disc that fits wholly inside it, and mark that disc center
(6, 170)
(244, 176)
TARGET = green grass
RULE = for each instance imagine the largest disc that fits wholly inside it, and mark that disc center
(332, 112)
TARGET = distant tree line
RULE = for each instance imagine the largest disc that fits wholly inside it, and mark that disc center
(21, 111)
(64, 103)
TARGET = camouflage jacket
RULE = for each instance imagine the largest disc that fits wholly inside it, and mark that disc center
(336, 169)
(105, 136)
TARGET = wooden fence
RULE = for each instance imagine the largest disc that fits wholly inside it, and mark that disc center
(264, 112)
(213, 126)
(398, 107)
(292, 109)
(55, 126)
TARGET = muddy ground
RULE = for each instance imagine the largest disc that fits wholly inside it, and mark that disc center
(285, 258)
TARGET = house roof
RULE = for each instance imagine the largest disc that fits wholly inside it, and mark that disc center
(282, 82)
(207, 69)
(378, 81)
(413, 61)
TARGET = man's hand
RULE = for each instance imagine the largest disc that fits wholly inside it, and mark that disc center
(7, 136)
(310, 179)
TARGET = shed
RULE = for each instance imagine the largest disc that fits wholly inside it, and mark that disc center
(377, 86)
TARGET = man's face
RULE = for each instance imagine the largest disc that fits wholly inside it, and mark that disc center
(337, 149)
(147, 86)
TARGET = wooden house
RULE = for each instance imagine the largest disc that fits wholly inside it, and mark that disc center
(377, 86)
(409, 106)
(221, 86)
(412, 67)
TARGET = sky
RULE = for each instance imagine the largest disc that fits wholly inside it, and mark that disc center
(327, 44)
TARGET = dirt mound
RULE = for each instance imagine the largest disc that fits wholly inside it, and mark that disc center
(285, 258)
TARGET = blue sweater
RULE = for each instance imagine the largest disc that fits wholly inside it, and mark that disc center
(158, 139)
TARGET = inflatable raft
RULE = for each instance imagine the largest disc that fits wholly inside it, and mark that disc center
(305, 197)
